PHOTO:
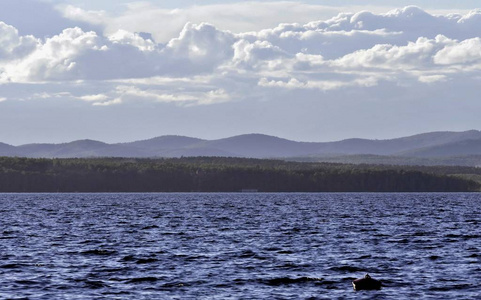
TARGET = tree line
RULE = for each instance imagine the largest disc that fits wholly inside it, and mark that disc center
(218, 174)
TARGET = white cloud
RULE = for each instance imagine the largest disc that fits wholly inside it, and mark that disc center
(13, 46)
(76, 13)
(108, 103)
(134, 39)
(349, 32)
(467, 51)
(198, 48)
(56, 58)
(246, 52)
(94, 98)
(405, 46)
(50, 95)
(323, 85)
(413, 55)
(78, 55)
(165, 24)
(182, 98)
(432, 78)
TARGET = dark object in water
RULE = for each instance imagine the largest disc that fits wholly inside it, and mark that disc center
(366, 283)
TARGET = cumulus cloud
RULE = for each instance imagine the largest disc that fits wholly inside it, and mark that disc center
(123, 37)
(55, 59)
(413, 55)
(88, 16)
(412, 21)
(198, 48)
(14, 46)
(467, 51)
(406, 46)
(251, 53)
(78, 55)
(165, 24)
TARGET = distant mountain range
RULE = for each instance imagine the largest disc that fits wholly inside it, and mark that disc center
(427, 148)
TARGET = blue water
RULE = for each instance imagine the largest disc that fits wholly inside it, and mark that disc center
(239, 246)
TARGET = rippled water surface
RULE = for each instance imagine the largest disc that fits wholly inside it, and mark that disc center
(239, 246)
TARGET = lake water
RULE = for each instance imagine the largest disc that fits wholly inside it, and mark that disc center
(239, 246)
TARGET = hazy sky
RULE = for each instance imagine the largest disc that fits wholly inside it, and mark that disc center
(305, 70)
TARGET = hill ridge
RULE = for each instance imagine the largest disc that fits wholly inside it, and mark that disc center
(257, 145)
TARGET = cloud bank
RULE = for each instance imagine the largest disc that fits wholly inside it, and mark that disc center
(405, 46)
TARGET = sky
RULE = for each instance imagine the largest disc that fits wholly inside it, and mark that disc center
(119, 71)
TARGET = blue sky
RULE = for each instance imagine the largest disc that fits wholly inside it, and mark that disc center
(120, 71)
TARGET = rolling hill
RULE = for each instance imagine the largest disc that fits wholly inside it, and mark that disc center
(429, 147)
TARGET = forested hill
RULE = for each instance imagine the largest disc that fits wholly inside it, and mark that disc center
(203, 174)
(427, 148)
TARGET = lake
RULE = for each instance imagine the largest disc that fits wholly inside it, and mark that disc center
(239, 246)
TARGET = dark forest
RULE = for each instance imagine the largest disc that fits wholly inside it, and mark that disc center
(207, 174)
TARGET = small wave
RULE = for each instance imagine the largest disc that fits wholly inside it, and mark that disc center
(150, 227)
(12, 266)
(272, 248)
(452, 235)
(146, 260)
(423, 233)
(99, 252)
(288, 280)
(188, 258)
(450, 287)
(9, 234)
(109, 270)
(381, 235)
(463, 236)
(471, 236)
(142, 279)
(27, 282)
(351, 269)
(90, 242)
(368, 230)
(116, 293)
(450, 241)
(168, 233)
(177, 284)
(398, 241)
(95, 284)
(251, 254)
(292, 266)
(128, 258)
(386, 282)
